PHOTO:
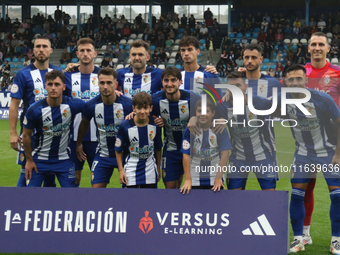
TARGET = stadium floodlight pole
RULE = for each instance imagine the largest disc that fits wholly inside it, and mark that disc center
(229, 16)
(78, 17)
(307, 12)
(150, 13)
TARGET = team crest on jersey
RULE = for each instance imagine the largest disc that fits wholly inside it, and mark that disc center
(213, 139)
(94, 81)
(310, 110)
(186, 145)
(22, 157)
(151, 135)
(146, 79)
(118, 114)
(198, 79)
(65, 113)
(251, 116)
(183, 109)
(326, 80)
(262, 88)
(92, 176)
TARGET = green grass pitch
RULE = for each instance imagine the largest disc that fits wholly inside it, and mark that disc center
(320, 228)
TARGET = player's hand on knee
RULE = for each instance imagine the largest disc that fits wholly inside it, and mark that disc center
(219, 128)
(70, 67)
(186, 186)
(192, 126)
(15, 142)
(130, 116)
(218, 184)
(118, 93)
(122, 177)
(210, 69)
(159, 121)
(80, 153)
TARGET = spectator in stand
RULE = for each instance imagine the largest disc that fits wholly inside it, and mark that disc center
(226, 41)
(1, 57)
(119, 26)
(154, 57)
(296, 30)
(225, 57)
(18, 50)
(336, 32)
(267, 50)
(288, 31)
(14, 42)
(266, 17)
(301, 56)
(321, 25)
(159, 43)
(179, 60)
(105, 62)
(220, 67)
(261, 37)
(162, 57)
(192, 22)
(230, 68)
(6, 67)
(297, 23)
(172, 33)
(65, 57)
(126, 31)
(289, 63)
(239, 62)
(264, 25)
(184, 21)
(241, 26)
(122, 57)
(146, 36)
(174, 25)
(231, 57)
(249, 26)
(207, 14)
(334, 50)
(134, 28)
(9, 51)
(58, 16)
(279, 71)
(279, 36)
(66, 18)
(329, 25)
(168, 44)
(209, 22)
(271, 72)
(290, 56)
(203, 31)
(244, 40)
(258, 20)
(27, 61)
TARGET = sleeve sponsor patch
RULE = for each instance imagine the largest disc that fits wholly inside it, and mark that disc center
(25, 121)
(186, 145)
(118, 142)
(14, 88)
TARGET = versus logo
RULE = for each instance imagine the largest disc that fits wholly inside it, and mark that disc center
(146, 223)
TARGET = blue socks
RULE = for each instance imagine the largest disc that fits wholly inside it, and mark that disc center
(334, 212)
(297, 211)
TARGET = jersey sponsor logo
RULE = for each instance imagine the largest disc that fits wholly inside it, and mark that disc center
(15, 88)
(146, 223)
(25, 121)
(144, 149)
(99, 116)
(183, 109)
(108, 128)
(133, 92)
(151, 135)
(40, 91)
(47, 119)
(87, 94)
(118, 142)
(58, 127)
(75, 83)
(95, 81)
(38, 80)
(186, 145)
(165, 111)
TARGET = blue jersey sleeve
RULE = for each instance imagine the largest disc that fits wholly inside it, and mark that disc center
(18, 87)
(193, 100)
(186, 142)
(127, 105)
(88, 112)
(155, 104)
(158, 138)
(223, 141)
(68, 90)
(121, 139)
(330, 107)
(77, 106)
(30, 118)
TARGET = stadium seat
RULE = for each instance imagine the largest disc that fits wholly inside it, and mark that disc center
(257, 30)
(15, 71)
(201, 47)
(167, 54)
(122, 41)
(115, 60)
(139, 36)
(98, 60)
(178, 66)
(130, 41)
(171, 61)
(121, 46)
(198, 60)
(334, 60)
(12, 66)
(19, 66)
(286, 40)
(173, 54)
(237, 41)
(103, 47)
(264, 67)
(15, 60)
(8, 59)
(274, 54)
(295, 41)
(329, 40)
(170, 65)
(133, 36)
(175, 47)
(248, 35)
(273, 67)
(329, 35)
(128, 61)
(255, 35)
(231, 35)
(202, 41)
(22, 60)
(303, 41)
(179, 36)
(74, 60)
(152, 47)
(265, 60)
(120, 66)
(127, 47)
(161, 66)
(181, 30)
(177, 41)
(63, 66)
(239, 35)
(253, 41)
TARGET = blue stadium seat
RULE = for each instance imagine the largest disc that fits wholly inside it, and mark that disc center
(15, 60)
(234, 24)
(152, 47)
(63, 66)
(231, 35)
(201, 47)
(181, 30)
(202, 41)
(22, 60)
(178, 66)
(95, 30)
(19, 66)
(198, 60)
(121, 46)
(266, 60)
(284, 54)
(274, 60)
(200, 55)
(264, 67)
(273, 67)
(239, 35)
(255, 35)
(179, 36)
(12, 66)
(237, 41)
(257, 30)
(15, 71)
(169, 65)
(74, 60)
(54, 35)
(127, 47)
(274, 54)
(8, 59)
(248, 35)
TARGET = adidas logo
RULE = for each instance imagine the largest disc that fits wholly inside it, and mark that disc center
(37, 80)
(134, 139)
(165, 111)
(128, 80)
(255, 227)
(47, 119)
(99, 116)
(197, 140)
(75, 83)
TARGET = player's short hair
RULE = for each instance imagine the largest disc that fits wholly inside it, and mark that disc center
(54, 74)
(139, 43)
(210, 104)
(296, 67)
(236, 75)
(86, 40)
(254, 46)
(108, 71)
(171, 70)
(142, 99)
(42, 37)
(321, 34)
(189, 40)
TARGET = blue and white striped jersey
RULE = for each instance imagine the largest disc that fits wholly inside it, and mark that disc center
(175, 115)
(107, 119)
(205, 154)
(250, 134)
(141, 143)
(193, 81)
(149, 82)
(314, 135)
(263, 87)
(84, 87)
(53, 128)
(29, 85)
